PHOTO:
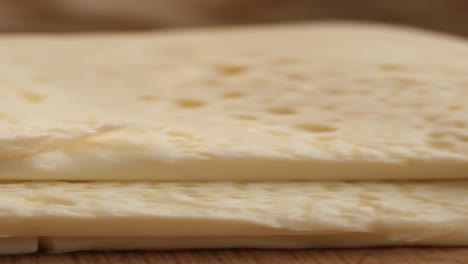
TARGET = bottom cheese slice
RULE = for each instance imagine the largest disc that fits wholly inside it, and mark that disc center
(149, 215)
(18, 245)
(345, 240)
(23, 245)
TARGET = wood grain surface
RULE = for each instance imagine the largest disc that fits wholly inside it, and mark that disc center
(328, 256)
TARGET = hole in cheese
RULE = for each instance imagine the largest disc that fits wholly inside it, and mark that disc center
(316, 128)
(232, 69)
(189, 103)
(233, 94)
(245, 117)
(282, 111)
(148, 97)
(392, 67)
(33, 97)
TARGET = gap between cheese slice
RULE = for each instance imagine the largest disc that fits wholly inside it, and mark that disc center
(324, 101)
(406, 213)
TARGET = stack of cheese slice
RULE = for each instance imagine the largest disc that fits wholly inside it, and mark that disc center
(286, 136)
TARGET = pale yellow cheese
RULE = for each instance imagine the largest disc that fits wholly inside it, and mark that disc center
(326, 101)
(416, 213)
(18, 245)
(345, 240)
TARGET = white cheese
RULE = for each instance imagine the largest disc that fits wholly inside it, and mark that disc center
(345, 240)
(18, 245)
(288, 102)
(405, 213)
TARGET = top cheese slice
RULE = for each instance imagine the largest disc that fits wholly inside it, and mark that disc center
(326, 101)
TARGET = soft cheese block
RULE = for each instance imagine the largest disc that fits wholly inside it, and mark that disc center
(64, 216)
(326, 101)
(409, 213)
(344, 240)
(23, 245)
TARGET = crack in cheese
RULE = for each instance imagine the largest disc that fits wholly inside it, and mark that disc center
(286, 102)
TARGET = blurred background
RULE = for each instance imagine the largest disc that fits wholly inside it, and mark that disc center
(98, 15)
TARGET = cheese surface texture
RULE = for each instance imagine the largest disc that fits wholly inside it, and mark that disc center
(288, 102)
(417, 213)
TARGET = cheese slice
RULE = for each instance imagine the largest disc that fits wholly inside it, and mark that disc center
(325, 101)
(18, 245)
(346, 240)
(411, 213)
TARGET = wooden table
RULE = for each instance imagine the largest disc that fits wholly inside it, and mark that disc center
(341, 256)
